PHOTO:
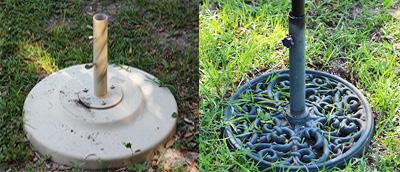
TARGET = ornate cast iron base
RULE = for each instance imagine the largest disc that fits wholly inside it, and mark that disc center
(337, 126)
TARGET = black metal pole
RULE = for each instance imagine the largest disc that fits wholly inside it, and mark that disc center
(297, 52)
(298, 8)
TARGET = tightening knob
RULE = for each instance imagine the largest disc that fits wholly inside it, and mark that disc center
(288, 41)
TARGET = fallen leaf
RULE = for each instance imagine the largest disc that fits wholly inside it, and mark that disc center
(188, 134)
(193, 167)
(170, 143)
(196, 114)
(154, 163)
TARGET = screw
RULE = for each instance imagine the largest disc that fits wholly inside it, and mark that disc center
(103, 103)
(288, 41)
(85, 90)
(112, 87)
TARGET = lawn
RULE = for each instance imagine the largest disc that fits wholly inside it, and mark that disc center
(357, 40)
(38, 38)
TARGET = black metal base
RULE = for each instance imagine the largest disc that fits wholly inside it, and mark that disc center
(338, 124)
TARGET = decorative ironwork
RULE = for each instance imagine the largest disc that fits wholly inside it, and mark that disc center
(338, 123)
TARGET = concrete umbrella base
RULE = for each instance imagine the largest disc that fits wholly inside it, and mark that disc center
(63, 121)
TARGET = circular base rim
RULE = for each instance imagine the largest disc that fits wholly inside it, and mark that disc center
(357, 149)
(142, 138)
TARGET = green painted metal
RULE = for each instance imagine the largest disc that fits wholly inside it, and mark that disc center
(297, 64)
(334, 125)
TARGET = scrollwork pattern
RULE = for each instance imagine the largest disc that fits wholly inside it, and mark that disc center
(259, 122)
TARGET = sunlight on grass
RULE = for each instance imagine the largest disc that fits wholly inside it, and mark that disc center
(38, 57)
(237, 37)
(41, 37)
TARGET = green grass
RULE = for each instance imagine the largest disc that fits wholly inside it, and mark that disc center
(357, 40)
(41, 37)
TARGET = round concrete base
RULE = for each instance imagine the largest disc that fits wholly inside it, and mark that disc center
(59, 124)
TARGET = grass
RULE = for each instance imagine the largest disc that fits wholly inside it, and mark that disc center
(357, 40)
(41, 37)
